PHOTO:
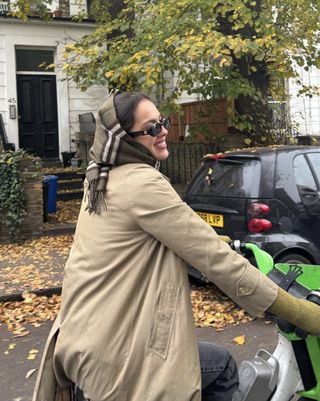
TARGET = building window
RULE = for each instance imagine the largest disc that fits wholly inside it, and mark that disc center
(31, 59)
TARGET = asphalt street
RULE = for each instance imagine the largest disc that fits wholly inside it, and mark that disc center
(16, 363)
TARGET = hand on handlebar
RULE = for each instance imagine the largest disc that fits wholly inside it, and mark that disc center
(301, 313)
(225, 238)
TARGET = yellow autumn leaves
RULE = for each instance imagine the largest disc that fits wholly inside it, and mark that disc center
(67, 212)
(34, 264)
(30, 357)
(32, 311)
(211, 308)
(32, 354)
(240, 340)
(10, 347)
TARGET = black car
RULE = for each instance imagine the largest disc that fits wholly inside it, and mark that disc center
(268, 196)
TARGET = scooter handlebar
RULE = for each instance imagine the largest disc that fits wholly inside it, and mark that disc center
(314, 296)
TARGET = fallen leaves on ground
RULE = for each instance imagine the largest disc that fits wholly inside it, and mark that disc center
(23, 334)
(67, 213)
(211, 308)
(57, 170)
(240, 340)
(40, 248)
(34, 264)
(10, 348)
(32, 354)
(17, 314)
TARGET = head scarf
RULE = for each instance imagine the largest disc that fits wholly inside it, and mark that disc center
(112, 146)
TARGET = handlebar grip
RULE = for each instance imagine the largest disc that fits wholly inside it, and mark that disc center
(301, 333)
(285, 326)
(288, 328)
(314, 296)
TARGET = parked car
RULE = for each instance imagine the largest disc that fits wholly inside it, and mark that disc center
(268, 196)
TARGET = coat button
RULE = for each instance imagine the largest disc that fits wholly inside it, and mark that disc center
(242, 291)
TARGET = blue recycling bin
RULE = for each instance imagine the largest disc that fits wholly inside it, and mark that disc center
(52, 182)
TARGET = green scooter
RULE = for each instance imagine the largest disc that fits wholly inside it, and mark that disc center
(293, 370)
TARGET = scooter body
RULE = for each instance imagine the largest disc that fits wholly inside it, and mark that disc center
(268, 376)
(294, 367)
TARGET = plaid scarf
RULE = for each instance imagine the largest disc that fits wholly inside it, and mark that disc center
(112, 146)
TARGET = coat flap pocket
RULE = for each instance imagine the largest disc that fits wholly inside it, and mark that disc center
(248, 281)
(164, 319)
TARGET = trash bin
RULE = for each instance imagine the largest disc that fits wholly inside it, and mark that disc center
(45, 187)
(66, 158)
(52, 181)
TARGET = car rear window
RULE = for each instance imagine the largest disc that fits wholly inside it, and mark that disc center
(228, 178)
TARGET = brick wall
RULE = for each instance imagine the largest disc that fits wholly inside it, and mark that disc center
(33, 222)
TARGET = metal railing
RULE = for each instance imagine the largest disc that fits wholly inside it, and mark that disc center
(184, 160)
(87, 123)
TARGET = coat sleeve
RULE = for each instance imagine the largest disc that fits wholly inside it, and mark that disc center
(158, 210)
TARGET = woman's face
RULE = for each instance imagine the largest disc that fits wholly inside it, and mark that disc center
(146, 114)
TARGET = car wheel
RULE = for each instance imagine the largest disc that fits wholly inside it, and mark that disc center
(196, 277)
(293, 258)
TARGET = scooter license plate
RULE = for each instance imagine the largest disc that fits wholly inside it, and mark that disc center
(214, 220)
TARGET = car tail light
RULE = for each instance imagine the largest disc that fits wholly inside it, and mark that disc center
(259, 225)
(215, 157)
(258, 209)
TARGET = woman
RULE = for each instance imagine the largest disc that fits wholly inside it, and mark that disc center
(125, 330)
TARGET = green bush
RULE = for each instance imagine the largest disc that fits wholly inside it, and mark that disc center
(13, 203)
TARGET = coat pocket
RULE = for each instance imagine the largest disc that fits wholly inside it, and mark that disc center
(248, 282)
(164, 319)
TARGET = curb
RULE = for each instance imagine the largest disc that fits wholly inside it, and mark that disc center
(17, 297)
(55, 231)
(58, 231)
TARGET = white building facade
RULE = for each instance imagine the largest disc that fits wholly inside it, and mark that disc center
(305, 110)
(41, 108)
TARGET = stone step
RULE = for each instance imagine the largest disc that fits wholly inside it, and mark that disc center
(51, 163)
(64, 196)
(70, 184)
(67, 175)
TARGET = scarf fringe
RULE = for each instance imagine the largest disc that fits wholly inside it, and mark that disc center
(95, 198)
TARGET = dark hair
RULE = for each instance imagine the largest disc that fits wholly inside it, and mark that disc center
(125, 105)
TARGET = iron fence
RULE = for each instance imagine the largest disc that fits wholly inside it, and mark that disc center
(87, 123)
(184, 160)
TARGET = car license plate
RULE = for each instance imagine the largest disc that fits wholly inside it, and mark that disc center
(214, 220)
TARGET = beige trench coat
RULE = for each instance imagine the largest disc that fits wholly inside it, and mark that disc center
(126, 327)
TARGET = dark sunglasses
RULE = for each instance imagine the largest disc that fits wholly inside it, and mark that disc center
(155, 128)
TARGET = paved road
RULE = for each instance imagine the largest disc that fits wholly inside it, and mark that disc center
(14, 365)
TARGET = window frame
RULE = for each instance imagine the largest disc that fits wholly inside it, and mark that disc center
(314, 173)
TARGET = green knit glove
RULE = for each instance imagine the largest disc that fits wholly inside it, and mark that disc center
(300, 312)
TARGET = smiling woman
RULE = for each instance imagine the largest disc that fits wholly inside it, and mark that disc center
(146, 116)
(140, 118)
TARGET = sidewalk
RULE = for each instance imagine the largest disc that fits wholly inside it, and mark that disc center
(35, 266)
